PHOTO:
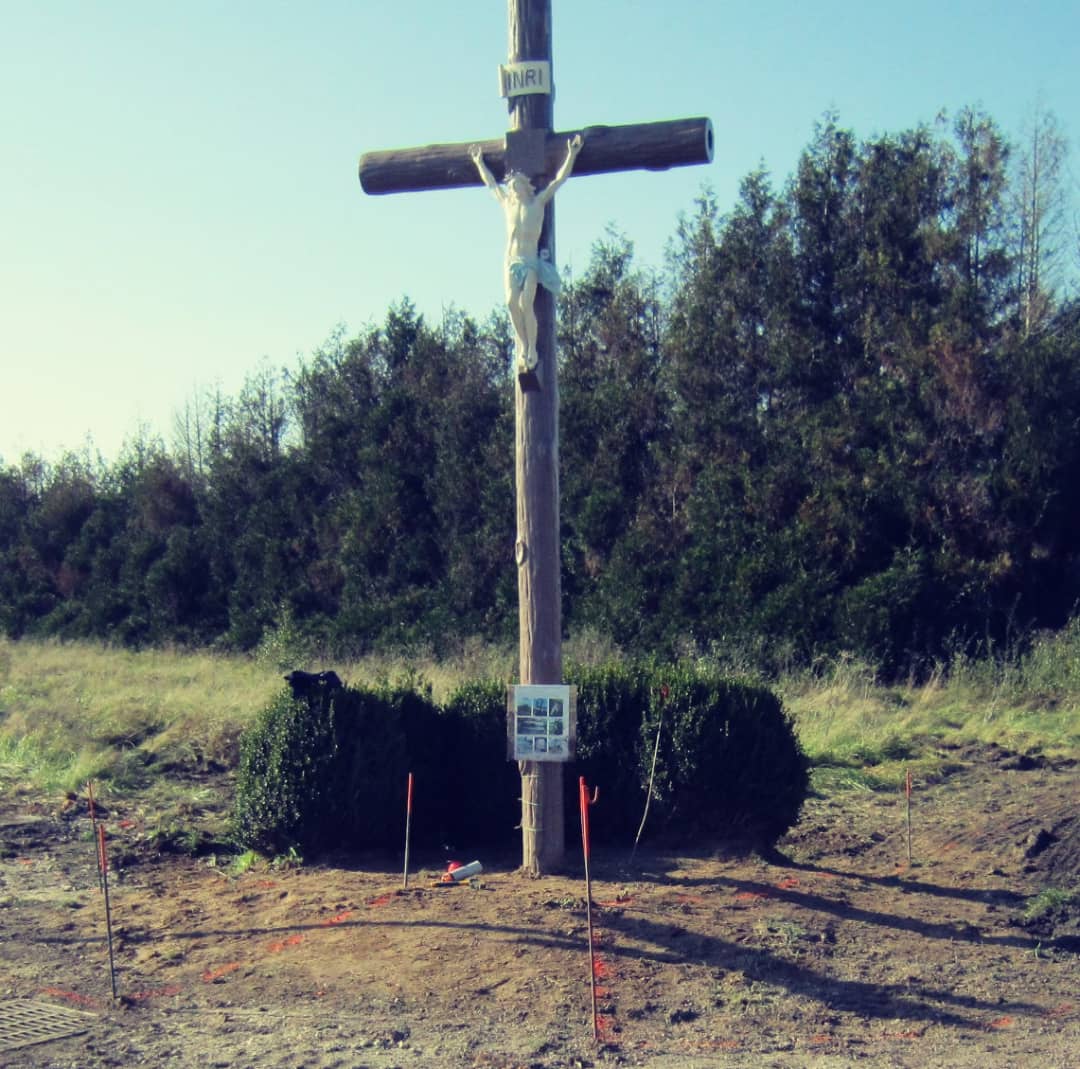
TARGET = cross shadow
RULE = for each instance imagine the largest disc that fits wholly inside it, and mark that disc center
(813, 902)
(992, 896)
(662, 864)
(861, 998)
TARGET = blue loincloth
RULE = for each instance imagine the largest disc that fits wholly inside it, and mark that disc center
(546, 273)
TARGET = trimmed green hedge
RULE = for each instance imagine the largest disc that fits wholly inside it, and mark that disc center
(330, 772)
(484, 795)
(286, 761)
(729, 767)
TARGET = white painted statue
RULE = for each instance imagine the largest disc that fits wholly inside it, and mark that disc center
(526, 266)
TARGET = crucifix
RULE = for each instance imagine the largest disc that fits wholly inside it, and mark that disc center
(532, 154)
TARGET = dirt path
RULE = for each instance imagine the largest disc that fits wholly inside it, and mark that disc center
(841, 955)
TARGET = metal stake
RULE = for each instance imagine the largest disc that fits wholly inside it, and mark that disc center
(94, 831)
(408, 826)
(907, 788)
(583, 792)
(108, 910)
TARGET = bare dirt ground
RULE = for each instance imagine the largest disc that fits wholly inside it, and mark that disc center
(837, 954)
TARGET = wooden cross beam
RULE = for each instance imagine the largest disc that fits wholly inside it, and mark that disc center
(653, 146)
(531, 148)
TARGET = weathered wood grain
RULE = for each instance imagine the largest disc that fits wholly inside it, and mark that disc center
(651, 146)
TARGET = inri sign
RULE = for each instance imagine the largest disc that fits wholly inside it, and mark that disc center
(519, 79)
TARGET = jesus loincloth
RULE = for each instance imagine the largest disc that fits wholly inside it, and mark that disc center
(546, 273)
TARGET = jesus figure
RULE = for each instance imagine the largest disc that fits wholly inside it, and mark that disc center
(526, 266)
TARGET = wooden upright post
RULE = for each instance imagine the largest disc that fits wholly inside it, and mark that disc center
(531, 147)
(537, 479)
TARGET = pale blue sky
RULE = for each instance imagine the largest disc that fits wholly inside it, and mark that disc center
(178, 190)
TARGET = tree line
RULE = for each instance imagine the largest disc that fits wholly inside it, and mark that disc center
(845, 416)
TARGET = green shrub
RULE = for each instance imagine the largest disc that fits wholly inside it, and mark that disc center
(612, 704)
(729, 766)
(285, 779)
(370, 774)
(484, 791)
(331, 771)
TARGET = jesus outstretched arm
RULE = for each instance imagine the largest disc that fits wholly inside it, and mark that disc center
(477, 156)
(573, 147)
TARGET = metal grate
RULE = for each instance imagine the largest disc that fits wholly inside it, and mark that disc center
(24, 1023)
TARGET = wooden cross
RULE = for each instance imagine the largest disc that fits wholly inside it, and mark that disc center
(530, 147)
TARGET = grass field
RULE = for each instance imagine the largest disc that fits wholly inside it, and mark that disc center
(861, 734)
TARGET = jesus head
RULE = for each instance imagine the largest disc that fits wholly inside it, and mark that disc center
(520, 185)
